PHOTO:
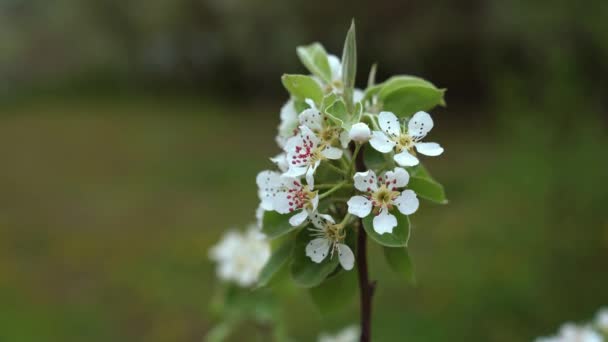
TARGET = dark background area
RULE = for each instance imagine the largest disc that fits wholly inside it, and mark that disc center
(132, 132)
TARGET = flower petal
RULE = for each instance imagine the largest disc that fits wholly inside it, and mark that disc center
(346, 256)
(429, 148)
(397, 178)
(381, 143)
(384, 222)
(296, 171)
(359, 206)
(405, 159)
(419, 125)
(312, 119)
(268, 183)
(281, 161)
(336, 67)
(318, 249)
(407, 202)
(315, 202)
(330, 152)
(298, 218)
(310, 174)
(389, 124)
(281, 203)
(366, 181)
(344, 139)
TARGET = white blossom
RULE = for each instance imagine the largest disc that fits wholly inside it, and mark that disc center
(329, 238)
(293, 196)
(381, 195)
(392, 137)
(601, 320)
(327, 132)
(280, 161)
(572, 333)
(359, 132)
(348, 334)
(269, 184)
(289, 123)
(241, 256)
(305, 151)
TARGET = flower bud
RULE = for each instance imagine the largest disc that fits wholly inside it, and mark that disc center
(359, 132)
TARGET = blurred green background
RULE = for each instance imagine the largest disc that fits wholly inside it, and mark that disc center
(131, 133)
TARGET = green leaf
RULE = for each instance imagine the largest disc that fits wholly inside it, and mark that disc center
(349, 66)
(376, 160)
(277, 260)
(275, 224)
(405, 95)
(314, 58)
(428, 189)
(399, 236)
(303, 87)
(335, 292)
(399, 261)
(338, 111)
(304, 271)
(220, 332)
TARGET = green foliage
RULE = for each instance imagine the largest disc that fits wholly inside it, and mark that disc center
(304, 271)
(425, 186)
(338, 112)
(314, 58)
(349, 66)
(279, 258)
(399, 260)
(398, 238)
(405, 95)
(335, 293)
(376, 160)
(303, 87)
(275, 224)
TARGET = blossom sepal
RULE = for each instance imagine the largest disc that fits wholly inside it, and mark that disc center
(397, 238)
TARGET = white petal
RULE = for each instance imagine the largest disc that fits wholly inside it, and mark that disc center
(296, 171)
(384, 222)
(310, 174)
(289, 119)
(268, 183)
(405, 159)
(359, 206)
(360, 132)
(358, 95)
(419, 125)
(320, 220)
(332, 152)
(281, 161)
(281, 203)
(429, 148)
(318, 249)
(315, 202)
(381, 143)
(298, 218)
(407, 202)
(389, 124)
(397, 178)
(312, 119)
(336, 67)
(366, 181)
(346, 256)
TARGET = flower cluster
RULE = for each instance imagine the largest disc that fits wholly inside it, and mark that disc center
(240, 256)
(596, 331)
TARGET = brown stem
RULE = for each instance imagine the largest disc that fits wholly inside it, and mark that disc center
(366, 288)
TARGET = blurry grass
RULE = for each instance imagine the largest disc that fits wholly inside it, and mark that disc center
(108, 209)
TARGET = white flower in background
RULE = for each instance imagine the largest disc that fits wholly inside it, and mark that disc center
(391, 137)
(305, 152)
(382, 195)
(572, 333)
(259, 216)
(241, 256)
(360, 132)
(348, 334)
(601, 320)
(329, 238)
(289, 123)
(294, 196)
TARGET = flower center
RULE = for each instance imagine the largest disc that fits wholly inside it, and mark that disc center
(384, 197)
(404, 142)
(334, 233)
(329, 134)
(300, 197)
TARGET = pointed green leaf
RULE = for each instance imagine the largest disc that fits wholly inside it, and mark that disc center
(335, 292)
(399, 236)
(304, 271)
(303, 87)
(400, 81)
(275, 224)
(399, 260)
(428, 189)
(349, 66)
(338, 111)
(406, 101)
(278, 259)
(314, 58)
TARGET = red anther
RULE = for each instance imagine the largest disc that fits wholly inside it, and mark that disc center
(369, 189)
(290, 203)
(371, 181)
(394, 181)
